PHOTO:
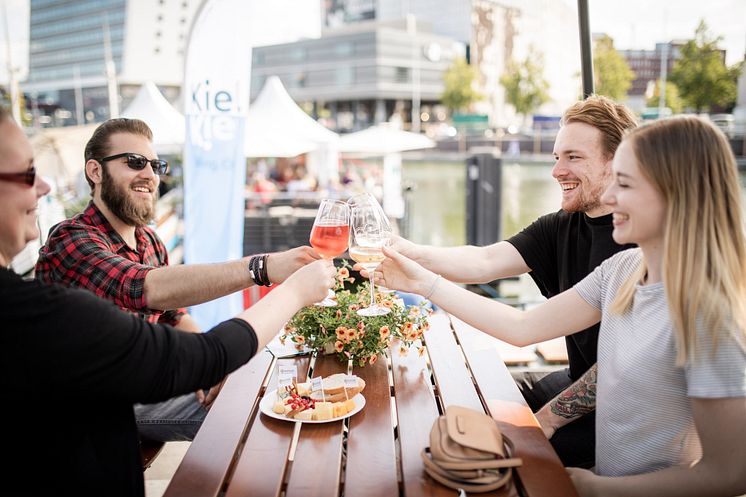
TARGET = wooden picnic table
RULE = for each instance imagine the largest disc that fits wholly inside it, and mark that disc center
(240, 452)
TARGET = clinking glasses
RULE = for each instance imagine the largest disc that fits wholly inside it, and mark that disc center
(27, 177)
(138, 162)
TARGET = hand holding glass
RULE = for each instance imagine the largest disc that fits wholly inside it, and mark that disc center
(330, 235)
(367, 239)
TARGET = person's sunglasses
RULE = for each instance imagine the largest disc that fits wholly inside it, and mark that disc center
(138, 162)
(27, 177)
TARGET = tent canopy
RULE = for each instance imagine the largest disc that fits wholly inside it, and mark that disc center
(383, 139)
(58, 153)
(277, 127)
(166, 122)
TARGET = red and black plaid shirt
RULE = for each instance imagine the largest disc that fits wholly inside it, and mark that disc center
(87, 252)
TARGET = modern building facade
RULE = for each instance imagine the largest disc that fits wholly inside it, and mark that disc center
(362, 73)
(493, 32)
(72, 41)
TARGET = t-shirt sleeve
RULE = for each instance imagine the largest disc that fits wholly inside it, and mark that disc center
(89, 347)
(537, 245)
(83, 258)
(590, 288)
(716, 372)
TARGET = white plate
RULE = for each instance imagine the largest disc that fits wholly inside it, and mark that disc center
(269, 399)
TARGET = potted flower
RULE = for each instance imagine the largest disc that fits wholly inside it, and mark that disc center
(341, 330)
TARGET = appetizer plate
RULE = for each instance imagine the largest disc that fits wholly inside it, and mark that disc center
(269, 399)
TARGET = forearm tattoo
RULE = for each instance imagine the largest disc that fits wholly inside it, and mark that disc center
(579, 399)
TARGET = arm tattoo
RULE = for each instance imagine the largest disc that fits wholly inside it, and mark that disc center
(579, 399)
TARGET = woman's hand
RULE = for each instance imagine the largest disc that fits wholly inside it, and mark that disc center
(585, 481)
(401, 273)
(311, 282)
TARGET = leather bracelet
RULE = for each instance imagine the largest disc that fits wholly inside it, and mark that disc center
(258, 270)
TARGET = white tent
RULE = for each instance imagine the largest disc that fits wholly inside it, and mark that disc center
(277, 127)
(166, 122)
(383, 139)
(58, 154)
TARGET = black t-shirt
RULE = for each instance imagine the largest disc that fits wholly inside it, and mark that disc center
(72, 365)
(561, 249)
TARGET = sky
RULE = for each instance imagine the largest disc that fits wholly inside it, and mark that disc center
(631, 23)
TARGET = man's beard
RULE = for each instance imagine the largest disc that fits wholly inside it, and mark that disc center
(121, 205)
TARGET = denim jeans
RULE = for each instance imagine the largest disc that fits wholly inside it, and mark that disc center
(176, 419)
(575, 443)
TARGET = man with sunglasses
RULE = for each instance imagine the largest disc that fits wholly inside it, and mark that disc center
(109, 250)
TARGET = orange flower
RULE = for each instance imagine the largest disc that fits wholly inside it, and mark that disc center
(341, 332)
(403, 350)
(360, 326)
(420, 351)
(339, 314)
(359, 344)
(339, 346)
(343, 273)
(408, 327)
(426, 325)
(351, 333)
(299, 339)
(353, 307)
(388, 304)
(385, 332)
(373, 359)
(282, 339)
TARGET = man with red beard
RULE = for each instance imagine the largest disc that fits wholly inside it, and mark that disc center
(557, 250)
(109, 250)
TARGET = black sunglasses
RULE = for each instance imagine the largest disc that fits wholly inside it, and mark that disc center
(138, 162)
(27, 177)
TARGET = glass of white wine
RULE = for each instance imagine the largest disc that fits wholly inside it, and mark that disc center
(368, 199)
(368, 236)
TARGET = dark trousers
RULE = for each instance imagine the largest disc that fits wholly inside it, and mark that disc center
(575, 443)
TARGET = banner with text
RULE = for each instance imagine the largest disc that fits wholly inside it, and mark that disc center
(216, 92)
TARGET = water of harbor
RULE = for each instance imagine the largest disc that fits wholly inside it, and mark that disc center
(437, 200)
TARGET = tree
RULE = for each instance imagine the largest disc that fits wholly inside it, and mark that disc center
(701, 74)
(524, 83)
(673, 99)
(612, 76)
(459, 91)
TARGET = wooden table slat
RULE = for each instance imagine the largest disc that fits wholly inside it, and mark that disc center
(448, 365)
(416, 410)
(318, 457)
(205, 465)
(263, 460)
(371, 451)
(542, 472)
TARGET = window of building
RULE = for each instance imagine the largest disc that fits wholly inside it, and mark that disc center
(401, 75)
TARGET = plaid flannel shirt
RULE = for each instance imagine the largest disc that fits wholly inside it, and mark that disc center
(87, 252)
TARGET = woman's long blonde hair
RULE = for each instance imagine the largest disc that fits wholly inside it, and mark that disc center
(704, 249)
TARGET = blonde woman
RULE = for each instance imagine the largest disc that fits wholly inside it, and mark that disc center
(671, 399)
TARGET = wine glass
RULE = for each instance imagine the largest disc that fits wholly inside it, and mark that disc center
(367, 199)
(330, 235)
(367, 239)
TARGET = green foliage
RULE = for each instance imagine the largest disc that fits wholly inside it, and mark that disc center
(360, 338)
(701, 74)
(524, 83)
(459, 92)
(673, 99)
(612, 76)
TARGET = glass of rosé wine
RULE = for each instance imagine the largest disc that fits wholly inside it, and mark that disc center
(330, 235)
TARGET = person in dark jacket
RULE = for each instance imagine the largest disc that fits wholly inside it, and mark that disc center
(64, 351)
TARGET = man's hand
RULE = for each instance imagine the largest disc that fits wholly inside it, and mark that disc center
(547, 420)
(398, 272)
(405, 247)
(212, 394)
(280, 265)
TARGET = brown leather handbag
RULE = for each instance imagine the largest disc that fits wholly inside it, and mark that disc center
(467, 451)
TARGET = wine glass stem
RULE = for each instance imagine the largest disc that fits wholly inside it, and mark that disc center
(372, 291)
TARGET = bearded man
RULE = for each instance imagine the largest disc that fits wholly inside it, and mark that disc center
(108, 250)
